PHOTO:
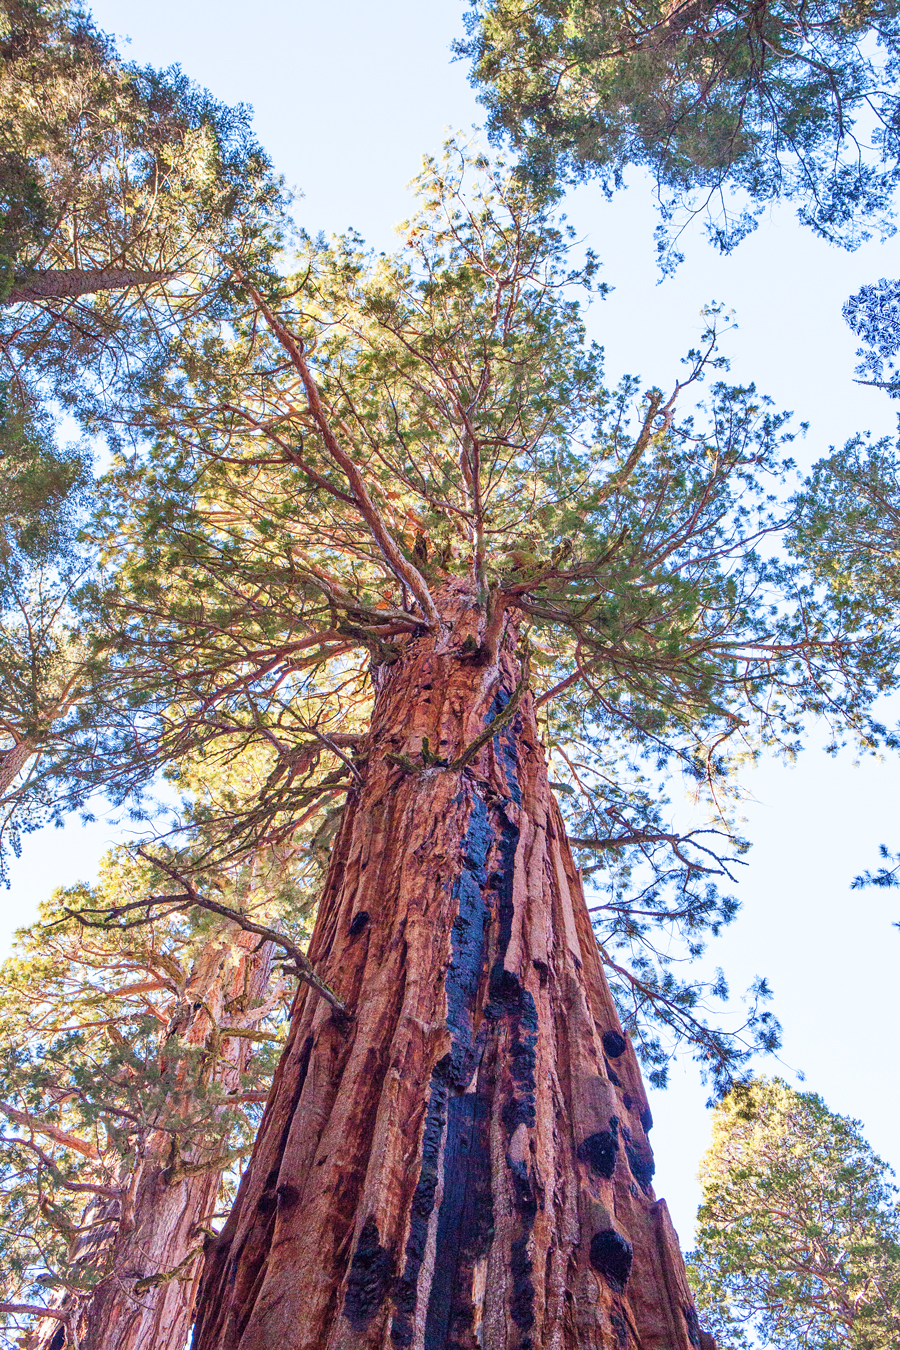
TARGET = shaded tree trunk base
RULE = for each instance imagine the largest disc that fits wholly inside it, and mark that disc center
(465, 1164)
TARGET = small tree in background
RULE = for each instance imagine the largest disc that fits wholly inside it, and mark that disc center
(798, 1245)
(133, 1060)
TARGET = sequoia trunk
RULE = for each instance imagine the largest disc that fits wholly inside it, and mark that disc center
(465, 1162)
(143, 1250)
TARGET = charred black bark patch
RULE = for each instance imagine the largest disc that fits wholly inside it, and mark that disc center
(465, 1221)
(358, 923)
(288, 1196)
(369, 1279)
(646, 1119)
(600, 1150)
(463, 1116)
(693, 1323)
(510, 999)
(614, 1043)
(502, 883)
(543, 971)
(521, 1304)
(640, 1159)
(620, 1330)
(406, 1290)
(611, 1256)
(612, 1075)
(506, 744)
(469, 935)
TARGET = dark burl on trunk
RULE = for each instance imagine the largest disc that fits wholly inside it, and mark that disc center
(465, 1163)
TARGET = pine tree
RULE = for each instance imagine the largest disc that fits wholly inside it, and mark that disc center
(120, 190)
(729, 106)
(798, 1245)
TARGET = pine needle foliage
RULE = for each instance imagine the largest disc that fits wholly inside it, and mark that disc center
(729, 106)
(375, 427)
(798, 1245)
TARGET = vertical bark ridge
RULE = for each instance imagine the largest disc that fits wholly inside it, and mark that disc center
(465, 1164)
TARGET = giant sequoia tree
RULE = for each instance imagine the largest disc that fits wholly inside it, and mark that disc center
(395, 533)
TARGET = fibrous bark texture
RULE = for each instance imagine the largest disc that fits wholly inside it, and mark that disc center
(465, 1162)
(143, 1249)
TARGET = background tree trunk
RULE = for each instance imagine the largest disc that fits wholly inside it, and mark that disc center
(465, 1163)
(12, 762)
(145, 1248)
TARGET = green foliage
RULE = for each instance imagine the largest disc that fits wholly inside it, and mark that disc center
(775, 100)
(847, 530)
(124, 1048)
(43, 488)
(126, 194)
(798, 1246)
(874, 315)
(127, 198)
(41, 484)
(378, 426)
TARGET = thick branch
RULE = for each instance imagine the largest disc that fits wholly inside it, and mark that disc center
(111, 1192)
(32, 1310)
(179, 1273)
(402, 569)
(301, 964)
(62, 1137)
(70, 283)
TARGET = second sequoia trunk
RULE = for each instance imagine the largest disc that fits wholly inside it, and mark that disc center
(465, 1162)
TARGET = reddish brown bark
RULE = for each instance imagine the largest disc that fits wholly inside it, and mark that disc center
(13, 761)
(146, 1246)
(465, 1163)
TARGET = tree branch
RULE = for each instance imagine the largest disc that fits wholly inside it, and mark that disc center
(32, 1310)
(301, 964)
(61, 1137)
(70, 283)
(111, 1192)
(403, 570)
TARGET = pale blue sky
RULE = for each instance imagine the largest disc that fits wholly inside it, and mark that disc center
(347, 98)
